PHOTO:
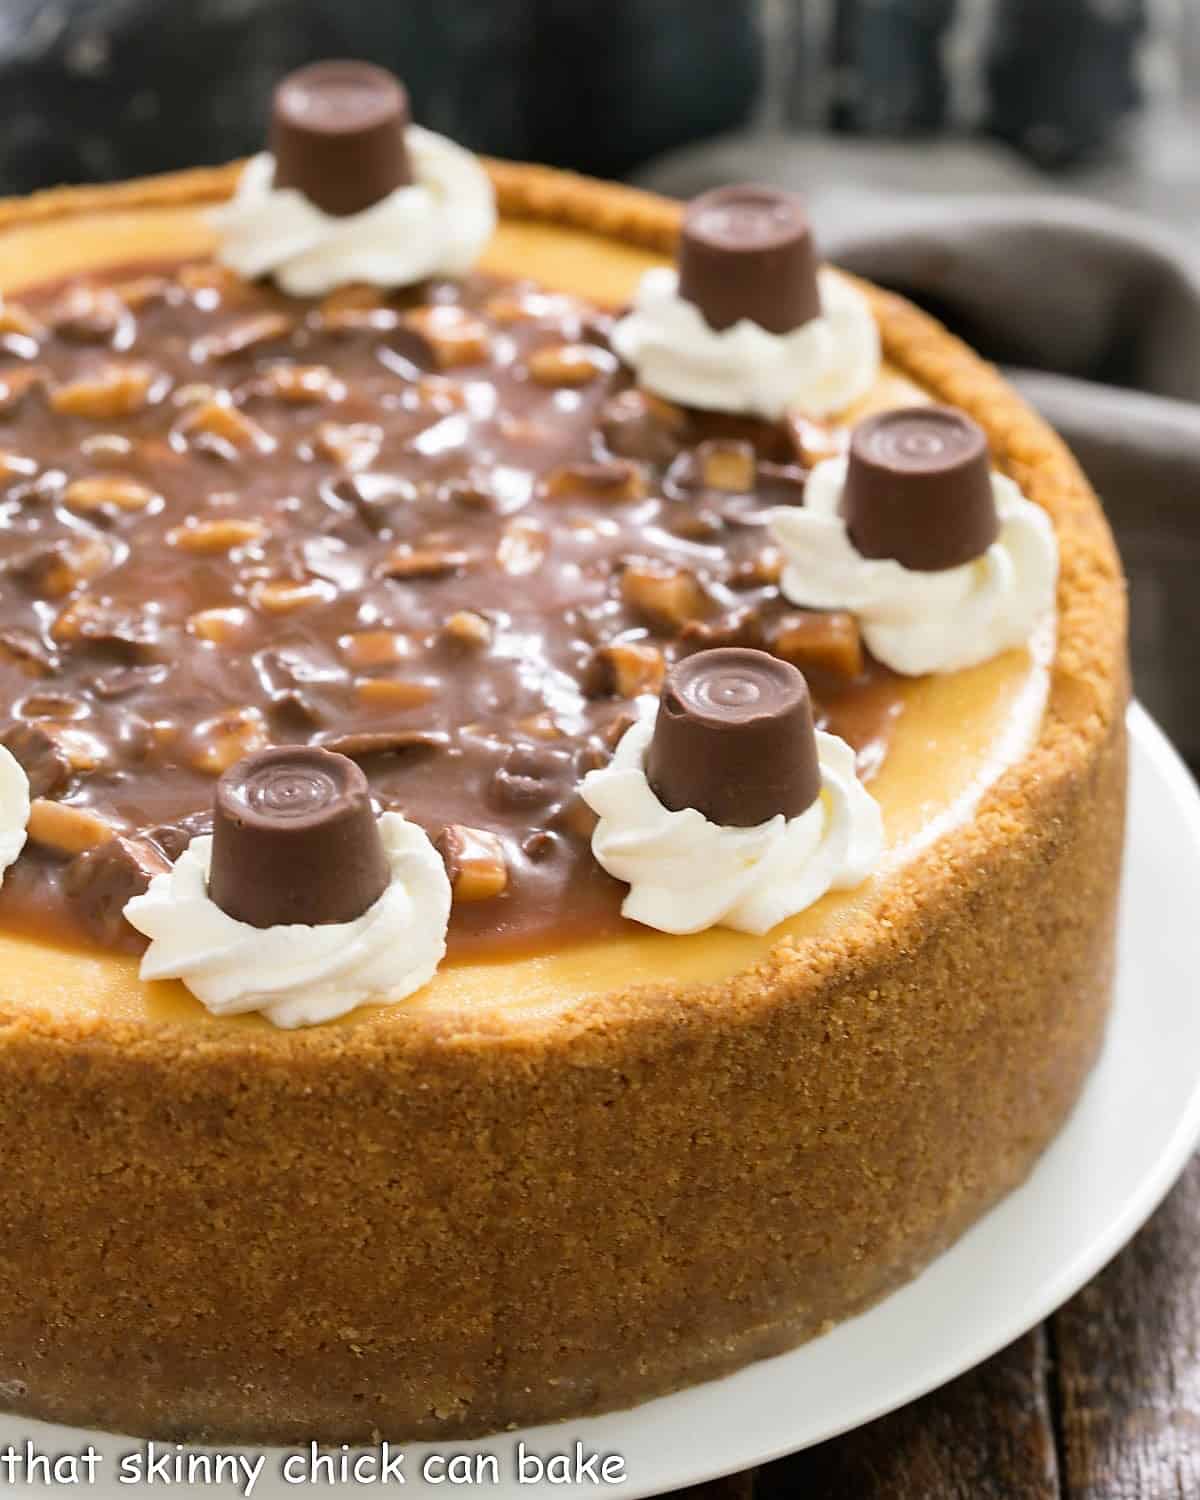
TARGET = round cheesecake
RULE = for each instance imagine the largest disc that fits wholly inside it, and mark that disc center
(577, 1169)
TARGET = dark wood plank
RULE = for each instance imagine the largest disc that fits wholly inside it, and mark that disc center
(1127, 1352)
(986, 1436)
(734, 1487)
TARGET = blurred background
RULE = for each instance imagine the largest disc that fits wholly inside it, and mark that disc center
(1026, 168)
(1098, 92)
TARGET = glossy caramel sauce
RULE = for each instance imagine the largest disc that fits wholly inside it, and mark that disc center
(955, 737)
(231, 518)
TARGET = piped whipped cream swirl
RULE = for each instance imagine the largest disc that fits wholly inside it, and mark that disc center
(298, 975)
(919, 622)
(436, 226)
(686, 873)
(821, 367)
(14, 808)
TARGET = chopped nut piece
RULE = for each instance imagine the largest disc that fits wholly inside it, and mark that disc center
(522, 547)
(40, 756)
(107, 491)
(92, 314)
(624, 669)
(374, 648)
(440, 394)
(760, 571)
(17, 319)
(302, 385)
(354, 445)
(385, 742)
(541, 726)
(51, 705)
(222, 535)
(539, 845)
(196, 392)
(616, 480)
(351, 320)
(87, 618)
(527, 307)
(26, 650)
(473, 491)
(531, 776)
(425, 562)
(116, 390)
(695, 523)
(637, 425)
(141, 290)
(825, 640)
(16, 384)
(354, 295)
(468, 628)
(282, 597)
(221, 626)
(523, 431)
(725, 465)
(209, 276)
(71, 564)
(69, 830)
(570, 364)
(666, 597)
(454, 335)
(740, 627)
(392, 692)
(99, 882)
(294, 713)
(83, 751)
(224, 430)
(250, 333)
(121, 682)
(474, 860)
(222, 740)
(780, 484)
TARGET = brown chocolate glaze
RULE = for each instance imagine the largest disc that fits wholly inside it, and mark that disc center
(451, 548)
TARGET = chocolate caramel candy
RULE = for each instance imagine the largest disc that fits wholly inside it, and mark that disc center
(338, 135)
(919, 488)
(295, 840)
(734, 738)
(747, 252)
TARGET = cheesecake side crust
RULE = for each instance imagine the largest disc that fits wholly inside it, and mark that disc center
(433, 1226)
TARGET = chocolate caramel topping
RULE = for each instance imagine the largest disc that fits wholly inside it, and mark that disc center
(295, 839)
(747, 252)
(919, 488)
(437, 532)
(338, 135)
(734, 739)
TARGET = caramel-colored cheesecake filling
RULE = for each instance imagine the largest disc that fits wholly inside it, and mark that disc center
(437, 532)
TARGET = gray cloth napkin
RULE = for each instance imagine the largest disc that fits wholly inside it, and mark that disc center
(1095, 314)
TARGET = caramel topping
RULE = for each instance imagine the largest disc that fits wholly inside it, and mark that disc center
(237, 520)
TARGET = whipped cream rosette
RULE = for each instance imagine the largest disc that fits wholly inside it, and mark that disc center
(746, 322)
(943, 561)
(352, 192)
(302, 905)
(722, 806)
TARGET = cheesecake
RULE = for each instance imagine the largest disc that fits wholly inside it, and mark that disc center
(532, 888)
